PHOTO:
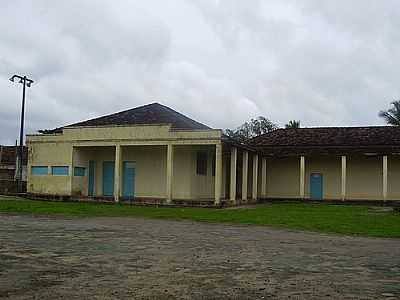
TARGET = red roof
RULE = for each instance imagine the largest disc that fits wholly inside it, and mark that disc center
(328, 139)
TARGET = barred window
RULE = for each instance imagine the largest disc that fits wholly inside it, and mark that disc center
(201, 165)
(79, 171)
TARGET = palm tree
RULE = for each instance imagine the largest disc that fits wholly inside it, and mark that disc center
(293, 124)
(392, 115)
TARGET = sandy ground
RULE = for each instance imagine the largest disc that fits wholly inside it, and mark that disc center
(132, 258)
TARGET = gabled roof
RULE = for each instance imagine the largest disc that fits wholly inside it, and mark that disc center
(149, 114)
(328, 139)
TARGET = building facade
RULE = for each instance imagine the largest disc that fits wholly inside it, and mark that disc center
(155, 153)
(335, 163)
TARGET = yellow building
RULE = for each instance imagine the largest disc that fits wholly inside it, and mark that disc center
(332, 163)
(154, 154)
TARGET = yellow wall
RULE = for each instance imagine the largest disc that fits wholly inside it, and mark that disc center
(150, 173)
(187, 184)
(49, 155)
(283, 177)
(146, 145)
(147, 134)
(394, 177)
(148, 150)
(364, 178)
(81, 157)
(150, 169)
(331, 170)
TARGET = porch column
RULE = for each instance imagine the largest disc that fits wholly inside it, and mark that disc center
(232, 193)
(218, 174)
(70, 171)
(117, 173)
(264, 178)
(384, 177)
(255, 176)
(170, 163)
(302, 175)
(344, 172)
(245, 170)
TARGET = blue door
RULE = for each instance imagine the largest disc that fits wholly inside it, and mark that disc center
(92, 172)
(316, 183)
(108, 178)
(129, 179)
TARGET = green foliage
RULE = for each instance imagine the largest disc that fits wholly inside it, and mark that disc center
(392, 115)
(252, 128)
(343, 219)
(293, 124)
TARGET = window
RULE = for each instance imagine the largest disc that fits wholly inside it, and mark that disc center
(39, 170)
(201, 166)
(59, 171)
(79, 171)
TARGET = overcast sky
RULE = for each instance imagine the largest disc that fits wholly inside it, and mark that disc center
(220, 62)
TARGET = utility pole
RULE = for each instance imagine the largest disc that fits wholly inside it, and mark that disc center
(26, 82)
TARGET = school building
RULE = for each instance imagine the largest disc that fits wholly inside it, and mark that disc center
(154, 154)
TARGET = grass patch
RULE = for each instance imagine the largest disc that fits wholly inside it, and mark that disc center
(343, 219)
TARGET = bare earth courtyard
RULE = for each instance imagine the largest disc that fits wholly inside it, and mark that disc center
(134, 258)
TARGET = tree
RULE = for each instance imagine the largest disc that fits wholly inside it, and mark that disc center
(392, 115)
(293, 124)
(251, 128)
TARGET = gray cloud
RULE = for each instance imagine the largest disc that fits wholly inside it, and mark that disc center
(221, 62)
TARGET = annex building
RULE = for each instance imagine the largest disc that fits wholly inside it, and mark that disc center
(154, 154)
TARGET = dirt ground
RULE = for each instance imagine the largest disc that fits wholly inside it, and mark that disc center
(133, 258)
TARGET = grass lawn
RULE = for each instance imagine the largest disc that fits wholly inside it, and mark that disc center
(343, 219)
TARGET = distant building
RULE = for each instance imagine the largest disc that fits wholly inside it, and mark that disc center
(153, 153)
(8, 167)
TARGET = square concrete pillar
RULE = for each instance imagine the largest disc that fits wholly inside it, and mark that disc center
(218, 174)
(302, 176)
(170, 170)
(384, 177)
(232, 194)
(245, 170)
(344, 172)
(117, 172)
(255, 176)
(264, 178)
(70, 170)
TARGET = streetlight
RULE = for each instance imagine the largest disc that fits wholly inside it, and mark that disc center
(26, 82)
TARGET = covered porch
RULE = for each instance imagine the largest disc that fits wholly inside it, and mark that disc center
(181, 174)
(149, 174)
(355, 175)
